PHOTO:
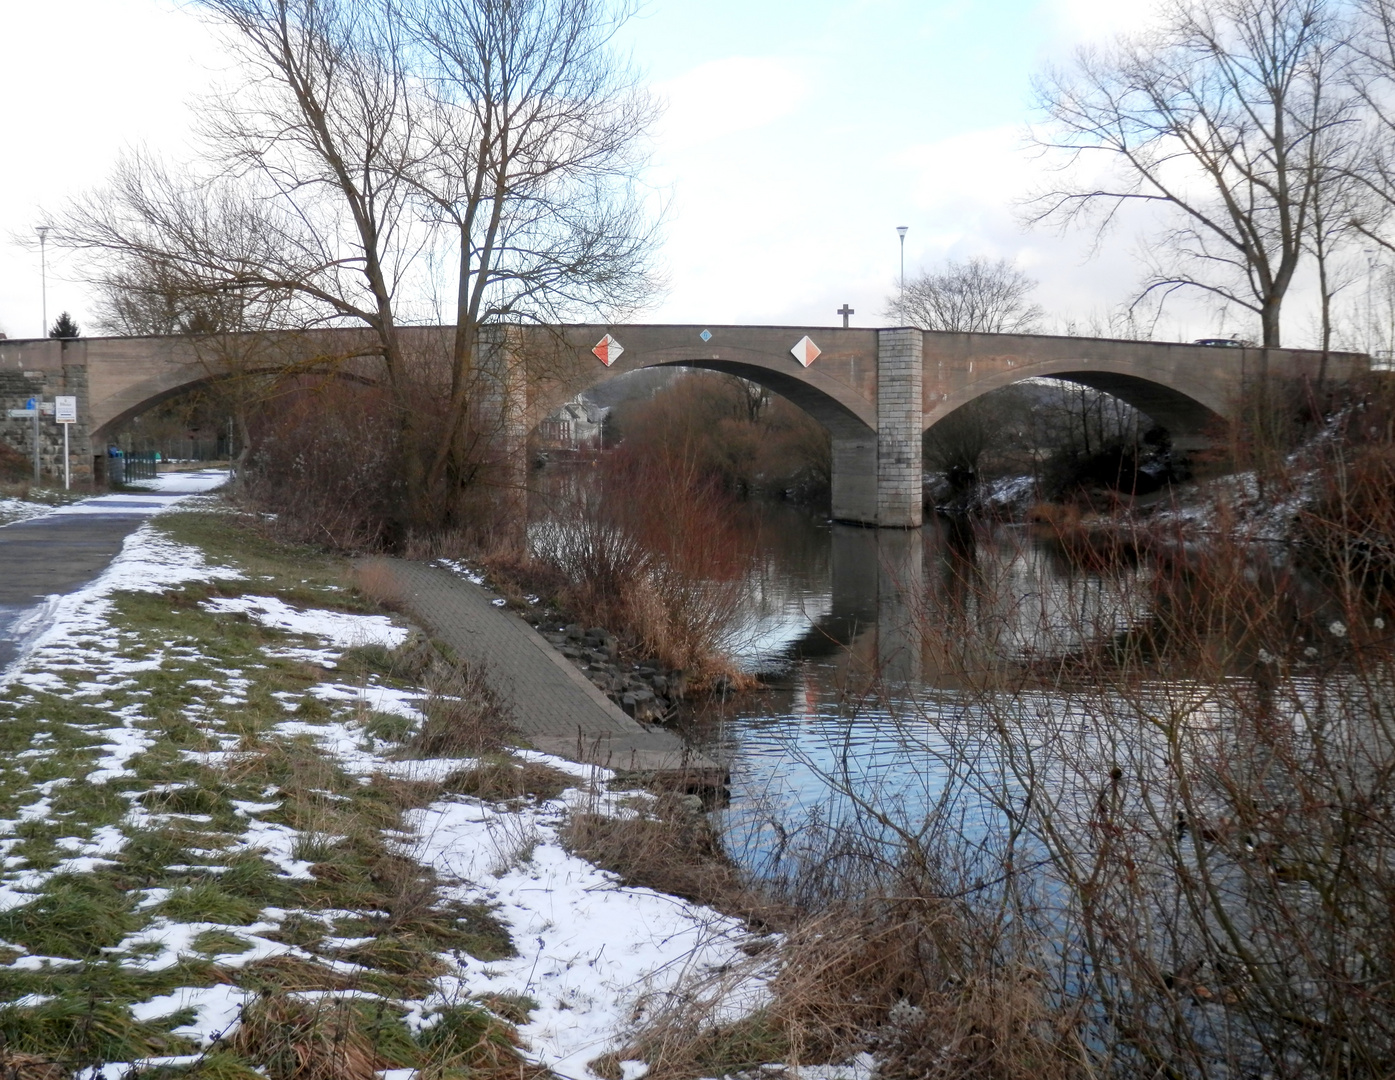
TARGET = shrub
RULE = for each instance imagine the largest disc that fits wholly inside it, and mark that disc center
(656, 551)
(465, 715)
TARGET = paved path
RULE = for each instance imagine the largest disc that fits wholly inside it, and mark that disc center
(64, 550)
(556, 707)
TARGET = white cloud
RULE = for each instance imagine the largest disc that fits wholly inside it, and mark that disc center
(81, 80)
(722, 97)
(1093, 20)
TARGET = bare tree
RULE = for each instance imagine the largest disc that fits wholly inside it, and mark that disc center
(371, 138)
(980, 296)
(1373, 76)
(1218, 117)
(527, 153)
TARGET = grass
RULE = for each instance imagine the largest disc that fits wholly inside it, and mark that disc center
(472, 1039)
(293, 1039)
(220, 943)
(662, 846)
(76, 916)
(208, 902)
(206, 684)
(502, 779)
(90, 1030)
(677, 1053)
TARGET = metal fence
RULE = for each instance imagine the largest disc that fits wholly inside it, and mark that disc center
(134, 466)
(141, 466)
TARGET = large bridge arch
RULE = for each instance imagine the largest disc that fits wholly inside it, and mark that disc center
(839, 390)
(1187, 413)
(842, 390)
(835, 415)
(145, 396)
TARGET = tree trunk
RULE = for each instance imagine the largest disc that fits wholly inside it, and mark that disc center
(1269, 321)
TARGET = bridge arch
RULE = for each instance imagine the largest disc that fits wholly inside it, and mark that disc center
(831, 395)
(1186, 413)
(142, 397)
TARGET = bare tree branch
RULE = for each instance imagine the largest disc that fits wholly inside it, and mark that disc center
(1223, 117)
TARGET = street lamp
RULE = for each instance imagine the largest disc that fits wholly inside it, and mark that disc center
(42, 230)
(901, 231)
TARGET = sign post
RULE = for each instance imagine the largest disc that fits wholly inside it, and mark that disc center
(65, 412)
(33, 403)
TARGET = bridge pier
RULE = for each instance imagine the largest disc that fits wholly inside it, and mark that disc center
(877, 476)
(854, 479)
(43, 369)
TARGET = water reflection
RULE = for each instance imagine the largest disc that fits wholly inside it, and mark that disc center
(869, 642)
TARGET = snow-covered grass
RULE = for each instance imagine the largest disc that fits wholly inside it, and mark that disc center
(13, 509)
(152, 496)
(218, 851)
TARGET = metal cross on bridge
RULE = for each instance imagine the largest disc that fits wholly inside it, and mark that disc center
(845, 311)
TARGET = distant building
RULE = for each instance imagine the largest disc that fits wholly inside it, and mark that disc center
(575, 426)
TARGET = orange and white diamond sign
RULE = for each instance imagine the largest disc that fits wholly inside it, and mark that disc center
(805, 351)
(608, 350)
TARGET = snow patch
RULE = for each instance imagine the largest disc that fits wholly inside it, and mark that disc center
(336, 627)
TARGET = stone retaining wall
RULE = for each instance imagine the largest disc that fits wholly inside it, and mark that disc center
(16, 388)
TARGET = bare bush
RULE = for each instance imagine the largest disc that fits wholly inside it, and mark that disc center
(325, 465)
(465, 715)
(655, 550)
(733, 432)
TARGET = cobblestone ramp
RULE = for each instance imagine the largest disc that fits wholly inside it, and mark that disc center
(556, 708)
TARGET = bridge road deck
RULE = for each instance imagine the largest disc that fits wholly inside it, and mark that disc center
(556, 708)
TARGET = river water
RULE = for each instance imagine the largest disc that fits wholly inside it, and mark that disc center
(868, 697)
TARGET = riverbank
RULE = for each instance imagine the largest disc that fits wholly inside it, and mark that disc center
(251, 820)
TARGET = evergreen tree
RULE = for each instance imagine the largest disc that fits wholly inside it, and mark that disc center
(64, 327)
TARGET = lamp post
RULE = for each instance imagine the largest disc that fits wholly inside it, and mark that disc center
(1370, 254)
(901, 231)
(42, 230)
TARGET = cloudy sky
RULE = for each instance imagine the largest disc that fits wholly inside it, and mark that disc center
(798, 135)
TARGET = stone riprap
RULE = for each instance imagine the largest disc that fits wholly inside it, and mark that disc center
(647, 692)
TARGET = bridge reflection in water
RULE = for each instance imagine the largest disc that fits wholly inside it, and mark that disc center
(871, 643)
(876, 582)
(886, 606)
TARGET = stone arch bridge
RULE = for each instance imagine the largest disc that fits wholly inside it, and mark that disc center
(874, 390)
